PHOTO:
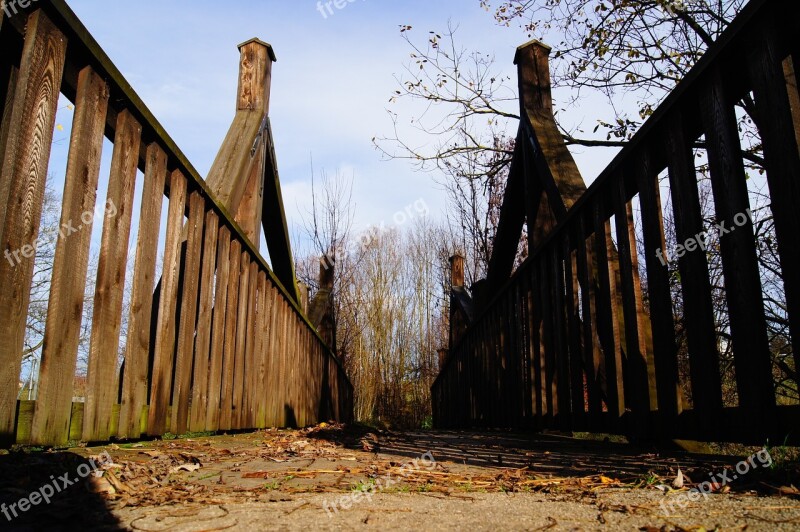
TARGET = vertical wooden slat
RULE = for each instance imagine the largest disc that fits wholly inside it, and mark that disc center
(549, 382)
(68, 277)
(591, 350)
(283, 358)
(299, 382)
(607, 316)
(783, 168)
(101, 388)
(637, 396)
(695, 283)
(166, 329)
(5, 132)
(241, 341)
(181, 390)
(665, 351)
(537, 342)
(137, 351)
(231, 321)
(492, 363)
(202, 349)
(251, 368)
(521, 356)
(25, 169)
(280, 358)
(739, 258)
(264, 333)
(574, 331)
(294, 356)
(504, 352)
(561, 346)
(216, 367)
(531, 350)
(253, 347)
(524, 351)
(791, 75)
(272, 359)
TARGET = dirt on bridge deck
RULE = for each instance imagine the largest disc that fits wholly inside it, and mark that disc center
(337, 478)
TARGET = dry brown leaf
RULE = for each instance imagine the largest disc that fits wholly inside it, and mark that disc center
(101, 485)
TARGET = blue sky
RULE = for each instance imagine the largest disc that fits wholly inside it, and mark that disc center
(330, 89)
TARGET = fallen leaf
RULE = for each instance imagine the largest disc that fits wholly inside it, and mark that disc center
(678, 482)
(185, 467)
(788, 490)
(101, 485)
(257, 474)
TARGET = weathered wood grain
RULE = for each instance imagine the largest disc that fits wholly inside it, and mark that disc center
(202, 346)
(5, 132)
(242, 329)
(250, 367)
(70, 266)
(137, 350)
(109, 292)
(231, 324)
(262, 351)
(181, 389)
(24, 169)
(216, 367)
(163, 364)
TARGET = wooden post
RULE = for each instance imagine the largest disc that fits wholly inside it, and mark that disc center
(532, 60)
(544, 181)
(303, 289)
(255, 75)
(457, 271)
(320, 310)
(556, 170)
(237, 176)
(255, 79)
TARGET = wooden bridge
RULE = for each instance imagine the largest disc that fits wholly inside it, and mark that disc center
(583, 336)
(220, 341)
(572, 340)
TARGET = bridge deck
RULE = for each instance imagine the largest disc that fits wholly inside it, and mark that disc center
(289, 478)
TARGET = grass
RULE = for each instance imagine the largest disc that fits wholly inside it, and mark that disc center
(365, 485)
(273, 486)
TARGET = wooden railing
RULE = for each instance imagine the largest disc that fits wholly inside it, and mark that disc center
(218, 343)
(573, 342)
